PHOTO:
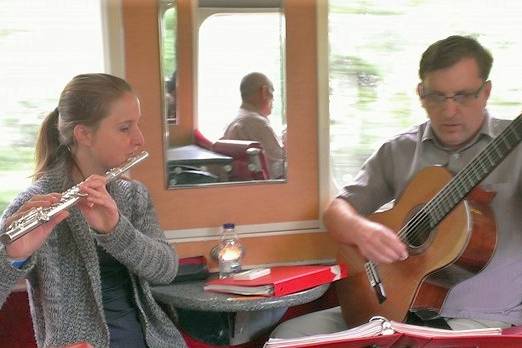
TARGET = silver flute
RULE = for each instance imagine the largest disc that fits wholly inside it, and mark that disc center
(38, 216)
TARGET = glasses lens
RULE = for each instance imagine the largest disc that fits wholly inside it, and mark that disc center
(461, 98)
(435, 98)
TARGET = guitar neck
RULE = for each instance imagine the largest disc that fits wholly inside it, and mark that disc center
(474, 172)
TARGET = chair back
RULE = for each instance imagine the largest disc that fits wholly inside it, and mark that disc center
(249, 158)
(201, 140)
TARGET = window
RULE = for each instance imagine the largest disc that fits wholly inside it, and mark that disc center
(44, 44)
(232, 45)
(168, 25)
(375, 48)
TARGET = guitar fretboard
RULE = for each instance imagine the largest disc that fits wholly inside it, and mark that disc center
(469, 177)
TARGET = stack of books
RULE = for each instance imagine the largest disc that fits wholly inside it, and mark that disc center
(278, 281)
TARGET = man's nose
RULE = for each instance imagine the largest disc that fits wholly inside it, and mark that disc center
(450, 107)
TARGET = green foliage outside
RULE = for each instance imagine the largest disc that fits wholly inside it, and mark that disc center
(375, 47)
(16, 156)
(43, 44)
(169, 42)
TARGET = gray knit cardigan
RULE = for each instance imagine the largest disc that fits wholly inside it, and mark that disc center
(64, 278)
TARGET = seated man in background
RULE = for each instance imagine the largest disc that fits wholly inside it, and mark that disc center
(454, 90)
(170, 97)
(252, 121)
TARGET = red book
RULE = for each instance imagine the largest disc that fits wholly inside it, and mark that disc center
(281, 280)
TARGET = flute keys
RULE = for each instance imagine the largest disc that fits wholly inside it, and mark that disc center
(42, 215)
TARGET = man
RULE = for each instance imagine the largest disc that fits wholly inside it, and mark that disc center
(170, 97)
(454, 91)
(252, 121)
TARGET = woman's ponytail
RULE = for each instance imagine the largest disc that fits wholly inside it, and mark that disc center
(47, 151)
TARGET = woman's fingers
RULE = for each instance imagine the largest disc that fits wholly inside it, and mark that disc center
(25, 245)
(37, 201)
(98, 207)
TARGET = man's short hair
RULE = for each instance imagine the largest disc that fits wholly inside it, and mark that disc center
(251, 83)
(447, 52)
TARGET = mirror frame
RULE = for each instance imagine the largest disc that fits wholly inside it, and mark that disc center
(211, 7)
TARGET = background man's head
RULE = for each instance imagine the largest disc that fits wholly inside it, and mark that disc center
(257, 92)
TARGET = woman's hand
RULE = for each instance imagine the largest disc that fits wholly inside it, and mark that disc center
(25, 246)
(98, 207)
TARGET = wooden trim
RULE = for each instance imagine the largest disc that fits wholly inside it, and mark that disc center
(295, 200)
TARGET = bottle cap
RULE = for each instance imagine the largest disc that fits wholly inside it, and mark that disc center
(228, 225)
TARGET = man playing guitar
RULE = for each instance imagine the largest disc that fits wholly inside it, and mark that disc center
(454, 91)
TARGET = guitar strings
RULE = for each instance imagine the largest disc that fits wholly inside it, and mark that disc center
(493, 153)
(412, 226)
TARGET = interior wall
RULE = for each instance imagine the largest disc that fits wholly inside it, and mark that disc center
(295, 200)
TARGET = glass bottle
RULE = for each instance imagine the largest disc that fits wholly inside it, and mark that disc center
(230, 251)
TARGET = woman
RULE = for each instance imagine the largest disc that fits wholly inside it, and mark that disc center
(90, 276)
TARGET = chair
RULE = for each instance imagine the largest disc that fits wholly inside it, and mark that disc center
(16, 327)
(202, 141)
(249, 159)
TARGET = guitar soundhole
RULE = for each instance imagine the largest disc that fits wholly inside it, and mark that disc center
(417, 231)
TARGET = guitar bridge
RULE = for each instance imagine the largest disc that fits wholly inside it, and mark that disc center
(375, 281)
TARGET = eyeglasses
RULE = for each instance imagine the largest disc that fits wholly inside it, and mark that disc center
(270, 91)
(462, 98)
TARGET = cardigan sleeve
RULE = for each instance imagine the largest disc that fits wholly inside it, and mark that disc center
(9, 275)
(137, 240)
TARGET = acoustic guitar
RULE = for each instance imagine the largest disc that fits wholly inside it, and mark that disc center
(450, 232)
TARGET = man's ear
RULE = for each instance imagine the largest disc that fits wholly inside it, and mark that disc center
(265, 93)
(420, 92)
(82, 134)
(487, 88)
(419, 89)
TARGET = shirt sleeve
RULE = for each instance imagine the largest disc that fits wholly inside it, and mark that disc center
(372, 186)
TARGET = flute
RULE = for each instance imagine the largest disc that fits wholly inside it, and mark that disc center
(38, 216)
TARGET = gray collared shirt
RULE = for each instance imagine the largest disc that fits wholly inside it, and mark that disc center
(250, 125)
(496, 292)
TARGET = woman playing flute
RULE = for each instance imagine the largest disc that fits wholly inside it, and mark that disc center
(90, 268)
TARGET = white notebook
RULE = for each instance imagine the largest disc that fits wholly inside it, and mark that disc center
(375, 327)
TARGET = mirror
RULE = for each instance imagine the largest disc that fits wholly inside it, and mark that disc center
(234, 136)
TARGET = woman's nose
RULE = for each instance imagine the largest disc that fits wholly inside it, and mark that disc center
(138, 140)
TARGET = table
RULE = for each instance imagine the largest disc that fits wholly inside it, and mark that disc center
(182, 161)
(217, 318)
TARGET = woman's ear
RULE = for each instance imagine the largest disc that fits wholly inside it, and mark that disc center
(82, 135)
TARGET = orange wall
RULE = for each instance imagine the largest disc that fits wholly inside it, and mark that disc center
(296, 200)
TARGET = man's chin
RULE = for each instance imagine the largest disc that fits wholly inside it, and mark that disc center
(453, 142)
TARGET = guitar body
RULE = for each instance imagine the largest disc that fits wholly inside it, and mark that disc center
(457, 248)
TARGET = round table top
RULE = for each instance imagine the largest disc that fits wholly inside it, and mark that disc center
(190, 295)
